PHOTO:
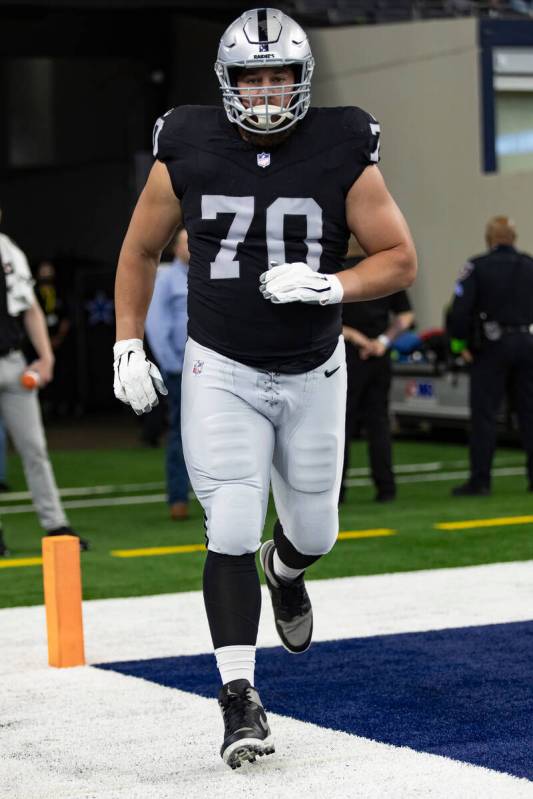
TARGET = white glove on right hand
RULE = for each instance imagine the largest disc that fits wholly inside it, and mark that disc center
(136, 378)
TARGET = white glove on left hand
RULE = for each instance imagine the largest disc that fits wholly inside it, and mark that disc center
(136, 378)
(297, 282)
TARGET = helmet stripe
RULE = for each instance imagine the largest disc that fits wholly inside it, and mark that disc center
(262, 25)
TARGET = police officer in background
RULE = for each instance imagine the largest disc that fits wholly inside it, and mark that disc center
(369, 328)
(492, 310)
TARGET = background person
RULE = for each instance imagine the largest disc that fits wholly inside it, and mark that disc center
(369, 328)
(3, 458)
(492, 310)
(58, 395)
(166, 329)
(19, 407)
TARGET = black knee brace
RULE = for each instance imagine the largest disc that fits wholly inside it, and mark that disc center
(287, 553)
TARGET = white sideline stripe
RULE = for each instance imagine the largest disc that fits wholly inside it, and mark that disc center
(143, 499)
(119, 737)
(431, 466)
(138, 740)
(147, 499)
(438, 477)
(87, 491)
(345, 607)
(123, 488)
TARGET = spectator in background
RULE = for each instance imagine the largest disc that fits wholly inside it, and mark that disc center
(369, 328)
(56, 396)
(19, 407)
(166, 330)
(3, 458)
(492, 314)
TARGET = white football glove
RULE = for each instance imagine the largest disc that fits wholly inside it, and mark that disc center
(299, 283)
(136, 378)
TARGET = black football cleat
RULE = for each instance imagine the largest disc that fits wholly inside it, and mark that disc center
(246, 731)
(67, 530)
(469, 489)
(293, 613)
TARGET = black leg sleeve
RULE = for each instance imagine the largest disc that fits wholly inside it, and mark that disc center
(288, 554)
(232, 596)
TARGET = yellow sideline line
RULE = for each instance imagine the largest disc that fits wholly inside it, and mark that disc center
(12, 563)
(504, 521)
(378, 531)
(148, 552)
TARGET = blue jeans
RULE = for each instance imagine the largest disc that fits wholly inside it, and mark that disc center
(177, 477)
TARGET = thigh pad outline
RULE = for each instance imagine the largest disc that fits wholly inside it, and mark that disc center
(229, 448)
(312, 464)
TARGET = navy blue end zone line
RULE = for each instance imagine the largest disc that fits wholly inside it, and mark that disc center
(464, 693)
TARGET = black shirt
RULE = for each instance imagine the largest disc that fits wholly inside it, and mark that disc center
(53, 305)
(246, 207)
(499, 285)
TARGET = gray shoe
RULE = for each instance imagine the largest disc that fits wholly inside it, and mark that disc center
(293, 613)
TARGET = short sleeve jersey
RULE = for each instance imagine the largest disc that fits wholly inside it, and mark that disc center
(247, 208)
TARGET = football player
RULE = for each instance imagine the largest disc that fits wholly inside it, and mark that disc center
(269, 190)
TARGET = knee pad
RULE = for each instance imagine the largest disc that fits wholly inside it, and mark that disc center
(313, 463)
(313, 528)
(235, 519)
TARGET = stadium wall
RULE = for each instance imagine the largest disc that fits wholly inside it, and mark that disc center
(422, 81)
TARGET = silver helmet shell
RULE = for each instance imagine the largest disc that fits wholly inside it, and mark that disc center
(265, 37)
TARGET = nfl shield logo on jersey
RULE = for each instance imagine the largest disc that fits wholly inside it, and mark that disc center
(197, 367)
(263, 159)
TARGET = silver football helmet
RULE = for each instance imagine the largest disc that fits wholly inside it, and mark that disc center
(265, 37)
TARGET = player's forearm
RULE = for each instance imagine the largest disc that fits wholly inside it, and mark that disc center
(133, 290)
(35, 325)
(400, 324)
(354, 336)
(379, 275)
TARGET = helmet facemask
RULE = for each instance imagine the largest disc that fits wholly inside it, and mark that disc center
(291, 101)
(265, 38)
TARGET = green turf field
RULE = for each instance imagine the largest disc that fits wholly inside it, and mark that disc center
(423, 502)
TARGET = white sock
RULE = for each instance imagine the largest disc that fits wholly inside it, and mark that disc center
(285, 572)
(236, 663)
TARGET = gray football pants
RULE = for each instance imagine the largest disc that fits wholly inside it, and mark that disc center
(21, 414)
(243, 428)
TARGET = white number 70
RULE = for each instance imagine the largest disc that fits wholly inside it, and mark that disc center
(225, 264)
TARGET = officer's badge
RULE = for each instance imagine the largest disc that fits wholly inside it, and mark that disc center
(263, 159)
(197, 367)
(465, 271)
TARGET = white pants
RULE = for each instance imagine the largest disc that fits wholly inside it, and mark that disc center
(21, 414)
(242, 427)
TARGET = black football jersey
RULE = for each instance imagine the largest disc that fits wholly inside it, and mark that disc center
(247, 208)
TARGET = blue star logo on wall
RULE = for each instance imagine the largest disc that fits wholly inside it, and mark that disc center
(101, 309)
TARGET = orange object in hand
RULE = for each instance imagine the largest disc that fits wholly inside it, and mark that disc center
(30, 379)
